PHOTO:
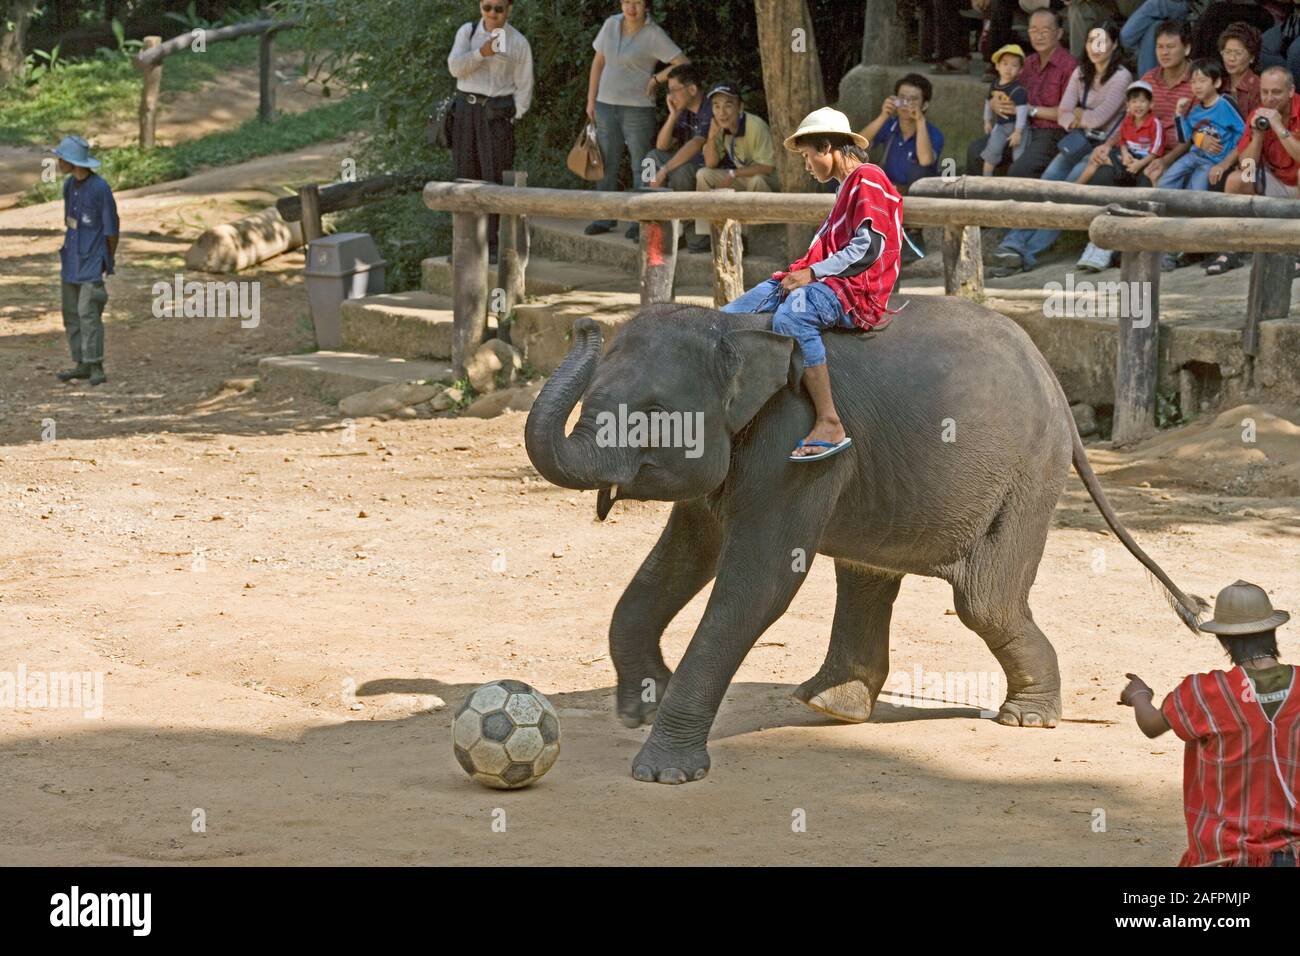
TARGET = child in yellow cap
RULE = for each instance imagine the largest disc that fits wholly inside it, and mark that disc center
(1013, 129)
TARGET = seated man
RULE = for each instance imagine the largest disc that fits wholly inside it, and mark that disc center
(846, 277)
(679, 146)
(738, 154)
(1270, 158)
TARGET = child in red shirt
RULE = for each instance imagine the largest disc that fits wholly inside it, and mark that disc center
(1241, 767)
(1139, 139)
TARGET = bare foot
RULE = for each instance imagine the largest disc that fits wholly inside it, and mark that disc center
(830, 430)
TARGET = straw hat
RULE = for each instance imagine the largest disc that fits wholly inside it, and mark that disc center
(1244, 608)
(825, 120)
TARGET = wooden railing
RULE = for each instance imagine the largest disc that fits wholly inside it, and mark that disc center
(149, 62)
(1126, 220)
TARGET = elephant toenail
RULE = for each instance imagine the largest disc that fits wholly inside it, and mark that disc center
(672, 775)
(1033, 720)
(700, 774)
(644, 774)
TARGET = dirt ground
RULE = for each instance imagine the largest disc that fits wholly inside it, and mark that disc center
(286, 613)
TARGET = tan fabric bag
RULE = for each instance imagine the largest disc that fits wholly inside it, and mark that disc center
(585, 160)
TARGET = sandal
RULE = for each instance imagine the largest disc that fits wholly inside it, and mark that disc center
(832, 448)
(1223, 262)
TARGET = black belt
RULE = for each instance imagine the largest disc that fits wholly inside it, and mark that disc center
(476, 98)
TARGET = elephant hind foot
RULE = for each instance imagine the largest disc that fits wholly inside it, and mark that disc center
(850, 701)
(1031, 710)
(637, 698)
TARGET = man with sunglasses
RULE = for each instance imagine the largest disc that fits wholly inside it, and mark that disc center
(493, 66)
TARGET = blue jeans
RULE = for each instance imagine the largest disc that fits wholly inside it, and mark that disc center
(1271, 52)
(619, 126)
(1139, 31)
(1189, 171)
(803, 314)
(1032, 243)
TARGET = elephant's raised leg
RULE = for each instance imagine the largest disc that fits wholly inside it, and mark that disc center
(757, 579)
(678, 566)
(991, 594)
(857, 662)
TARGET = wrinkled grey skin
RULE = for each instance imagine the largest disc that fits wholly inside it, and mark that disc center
(973, 511)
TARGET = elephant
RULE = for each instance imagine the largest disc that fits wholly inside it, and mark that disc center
(963, 438)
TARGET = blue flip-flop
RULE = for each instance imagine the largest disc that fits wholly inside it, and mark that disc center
(832, 448)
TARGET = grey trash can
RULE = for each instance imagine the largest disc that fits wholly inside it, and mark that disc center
(343, 266)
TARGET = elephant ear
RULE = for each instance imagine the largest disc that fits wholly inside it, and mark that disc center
(756, 364)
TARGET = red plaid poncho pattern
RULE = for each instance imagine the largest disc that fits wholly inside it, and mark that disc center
(1241, 771)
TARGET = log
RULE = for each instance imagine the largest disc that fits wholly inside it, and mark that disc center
(792, 80)
(963, 262)
(152, 55)
(1178, 202)
(469, 262)
(728, 261)
(149, 93)
(1136, 360)
(1269, 296)
(658, 205)
(658, 260)
(512, 252)
(245, 242)
(337, 196)
(1210, 234)
(309, 200)
(266, 77)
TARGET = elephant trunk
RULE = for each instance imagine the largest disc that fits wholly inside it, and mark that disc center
(570, 461)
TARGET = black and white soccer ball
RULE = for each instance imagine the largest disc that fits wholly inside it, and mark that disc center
(506, 735)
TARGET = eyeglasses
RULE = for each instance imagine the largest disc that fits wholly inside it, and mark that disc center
(490, 8)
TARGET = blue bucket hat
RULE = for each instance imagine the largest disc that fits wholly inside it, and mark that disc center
(75, 150)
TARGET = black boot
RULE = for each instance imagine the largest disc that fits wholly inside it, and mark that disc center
(97, 376)
(68, 374)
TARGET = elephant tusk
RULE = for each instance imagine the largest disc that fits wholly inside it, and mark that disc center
(605, 499)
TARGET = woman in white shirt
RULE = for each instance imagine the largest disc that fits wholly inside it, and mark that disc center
(621, 93)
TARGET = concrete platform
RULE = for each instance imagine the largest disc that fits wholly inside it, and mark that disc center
(545, 277)
(411, 325)
(330, 376)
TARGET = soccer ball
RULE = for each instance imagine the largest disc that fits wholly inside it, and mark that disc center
(506, 735)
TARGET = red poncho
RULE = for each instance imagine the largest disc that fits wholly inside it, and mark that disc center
(1241, 771)
(865, 198)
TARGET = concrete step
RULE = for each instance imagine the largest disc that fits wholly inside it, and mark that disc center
(542, 330)
(545, 277)
(563, 239)
(411, 325)
(330, 376)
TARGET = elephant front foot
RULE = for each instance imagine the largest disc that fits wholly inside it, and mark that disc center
(638, 696)
(1025, 709)
(660, 763)
(847, 700)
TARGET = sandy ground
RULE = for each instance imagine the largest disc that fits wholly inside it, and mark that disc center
(224, 103)
(286, 612)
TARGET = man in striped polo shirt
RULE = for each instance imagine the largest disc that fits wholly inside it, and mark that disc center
(1241, 766)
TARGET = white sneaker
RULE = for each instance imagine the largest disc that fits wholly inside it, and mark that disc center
(1094, 259)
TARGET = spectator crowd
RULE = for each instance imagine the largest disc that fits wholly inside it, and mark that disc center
(1178, 94)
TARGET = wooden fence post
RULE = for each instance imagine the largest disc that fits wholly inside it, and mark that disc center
(512, 253)
(266, 76)
(309, 197)
(963, 261)
(728, 261)
(1269, 297)
(1137, 348)
(149, 92)
(658, 254)
(469, 263)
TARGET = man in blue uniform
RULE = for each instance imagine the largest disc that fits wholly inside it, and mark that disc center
(89, 244)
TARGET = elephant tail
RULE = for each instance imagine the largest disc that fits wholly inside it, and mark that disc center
(1189, 608)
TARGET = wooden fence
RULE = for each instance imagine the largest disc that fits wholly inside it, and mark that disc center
(1141, 223)
(149, 62)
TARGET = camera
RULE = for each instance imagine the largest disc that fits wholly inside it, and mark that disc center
(1260, 123)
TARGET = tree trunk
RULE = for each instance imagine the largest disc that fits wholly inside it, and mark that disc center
(792, 79)
(17, 16)
(884, 42)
